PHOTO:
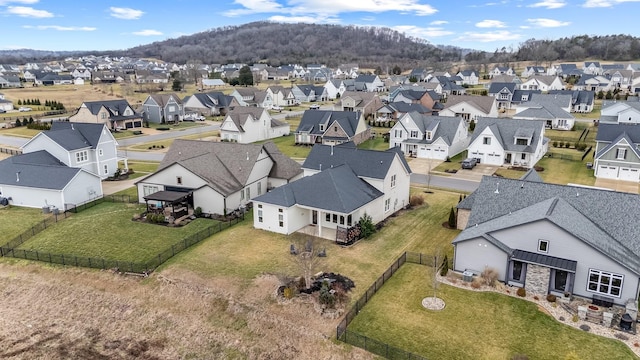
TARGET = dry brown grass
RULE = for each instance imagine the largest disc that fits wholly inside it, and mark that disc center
(55, 313)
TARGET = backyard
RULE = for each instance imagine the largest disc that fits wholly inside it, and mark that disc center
(15, 220)
(126, 241)
(473, 325)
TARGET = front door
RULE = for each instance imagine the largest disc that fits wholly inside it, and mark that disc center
(314, 217)
(507, 159)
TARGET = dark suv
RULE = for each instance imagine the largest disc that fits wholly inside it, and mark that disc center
(469, 163)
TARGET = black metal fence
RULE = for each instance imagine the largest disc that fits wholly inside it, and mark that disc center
(372, 345)
(10, 249)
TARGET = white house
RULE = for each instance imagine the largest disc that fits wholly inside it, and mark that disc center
(621, 112)
(89, 146)
(542, 83)
(429, 137)
(247, 124)
(470, 107)
(219, 176)
(341, 184)
(38, 180)
(508, 142)
(553, 109)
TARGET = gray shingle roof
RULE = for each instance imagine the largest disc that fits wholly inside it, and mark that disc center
(531, 175)
(38, 169)
(115, 107)
(311, 120)
(225, 166)
(336, 189)
(74, 136)
(610, 132)
(365, 163)
(284, 167)
(505, 130)
(446, 127)
(484, 103)
(497, 87)
(597, 217)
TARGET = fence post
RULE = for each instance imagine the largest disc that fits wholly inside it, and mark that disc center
(49, 257)
(76, 260)
(62, 256)
(37, 256)
(89, 262)
(103, 263)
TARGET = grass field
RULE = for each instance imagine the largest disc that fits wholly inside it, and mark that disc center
(15, 220)
(473, 325)
(125, 239)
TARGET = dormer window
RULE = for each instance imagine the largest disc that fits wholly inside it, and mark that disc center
(321, 127)
(429, 135)
(414, 134)
(520, 141)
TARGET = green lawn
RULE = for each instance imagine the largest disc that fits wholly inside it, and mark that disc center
(15, 220)
(454, 164)
(243, 252)
(287, 145)
(85, 234)
(473, 325)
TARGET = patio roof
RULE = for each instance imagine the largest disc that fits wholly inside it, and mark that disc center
(168, 196)
(544, 260)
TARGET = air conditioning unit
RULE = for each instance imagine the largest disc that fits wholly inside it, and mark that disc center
(467, 276)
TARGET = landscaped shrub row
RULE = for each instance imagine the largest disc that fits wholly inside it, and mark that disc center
(566, 144)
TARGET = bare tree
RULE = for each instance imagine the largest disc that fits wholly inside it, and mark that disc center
(308, 259)
(437, 261)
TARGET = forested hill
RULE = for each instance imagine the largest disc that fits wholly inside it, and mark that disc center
(280, 43)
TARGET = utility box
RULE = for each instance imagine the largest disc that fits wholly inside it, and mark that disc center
(467, 276)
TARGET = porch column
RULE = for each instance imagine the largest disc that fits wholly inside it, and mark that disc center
(320, 223)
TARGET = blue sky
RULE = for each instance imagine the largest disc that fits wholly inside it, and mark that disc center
(483, 25)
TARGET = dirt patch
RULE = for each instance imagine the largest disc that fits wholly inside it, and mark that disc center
(62, 313)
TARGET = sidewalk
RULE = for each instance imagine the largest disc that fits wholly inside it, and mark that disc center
(112, 187)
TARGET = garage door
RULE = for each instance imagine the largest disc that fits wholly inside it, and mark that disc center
(493, 159)
(424, 152)
(439, 154)
(608, 172)
(629, 174)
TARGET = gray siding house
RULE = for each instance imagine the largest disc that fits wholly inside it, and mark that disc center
(552, 239)
(617, 155)
(162, 108)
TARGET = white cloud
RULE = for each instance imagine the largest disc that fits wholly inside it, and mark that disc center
(548, 23)
(330, 7)
(420, 32)
(438, 22)
(5, 2)
(294, 19)
(491, 24)
(126, 13)
(368, 18)
(605, 3)
(26, 11)
(549, 4)
(147, 32)
(60, 28)
(491, 36)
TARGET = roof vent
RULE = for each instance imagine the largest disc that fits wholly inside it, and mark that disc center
(247, 156)
(497, 190)
(18, 176)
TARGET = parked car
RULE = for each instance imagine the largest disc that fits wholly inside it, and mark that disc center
(24, 109)
(314, 107)
(193, 117)
(469, 163)
(2, 111)
(276, 108)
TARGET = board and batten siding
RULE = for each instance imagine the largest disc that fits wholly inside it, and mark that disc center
(477, 254)
(294, 218)
(477, 148)
(564, 245)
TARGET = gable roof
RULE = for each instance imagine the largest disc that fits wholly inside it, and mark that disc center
(114, 107)
(599, 218)
(74, 136)
(497, 87)
(38, 169)
(336, 189)
(483, 103)
(311, 120)
(611, 132)
(505, 131)
(241, 114)
(365, 163)
(284, 167)
(225, 166)
(163, 99)
(445, 127)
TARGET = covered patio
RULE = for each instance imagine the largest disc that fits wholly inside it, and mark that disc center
(174, 204)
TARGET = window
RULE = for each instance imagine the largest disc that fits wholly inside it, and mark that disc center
(560, 278)
(82, 156)
(103, 115)
(397, 133)
(517, 271)
(328, 217)
(335, 218)
(605, 282)
(387, 205)
(259, 215)
(393, 180)
(179, 180)
(486, 140)
(149, 189)
(259, 188)
(100, 152)
(429, 135)
(621, 154)
(414, 133)
(321, 127)
(281, 220)
(523, 156)
(522, 142)
(106, 169)
(341, 219)
(248, 193)
(349, 220)
(543, 246)
(172, 108)
(335, 128)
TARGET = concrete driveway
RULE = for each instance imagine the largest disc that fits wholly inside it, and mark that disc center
(618, 185)
(422, 166)
(476, 173)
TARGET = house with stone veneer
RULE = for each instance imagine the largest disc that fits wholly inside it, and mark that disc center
(552, 239)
